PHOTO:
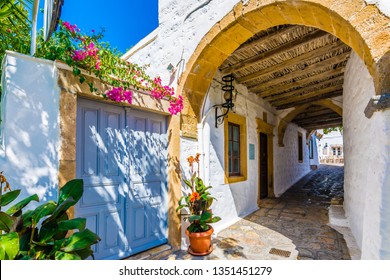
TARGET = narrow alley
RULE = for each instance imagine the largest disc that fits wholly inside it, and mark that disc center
(293, 226)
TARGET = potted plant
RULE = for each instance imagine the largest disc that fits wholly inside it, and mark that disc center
(197, 202)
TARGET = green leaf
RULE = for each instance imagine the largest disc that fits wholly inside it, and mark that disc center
(204, 227)
(73, 188)
(43, 211)
(188, 183)
(76, 71)
(20, 205)
(214, 219)
(199, 182)
(27, 218)
(194, 218)
(85, 253)
(9, 246)
(80, 240)
(77, 223)
(60, 210)
(6, 221)
(205, 216)
(50, 230)
(8, 197)
(25, 240)
(82, 79)
(66, 256)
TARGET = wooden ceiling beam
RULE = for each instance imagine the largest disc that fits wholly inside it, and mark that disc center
(309, 121)
(304, 82)
(291, 45)
(302, 72)
(309, 100)
(323, 114)
(263, 40)
(293, 61)
(300, 92)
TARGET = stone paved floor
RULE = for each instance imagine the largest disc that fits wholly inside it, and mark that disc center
(296, 222)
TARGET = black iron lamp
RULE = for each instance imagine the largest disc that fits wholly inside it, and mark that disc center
(228, 96)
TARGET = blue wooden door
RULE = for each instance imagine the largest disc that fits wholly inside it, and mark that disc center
(146, 207)
(122, 160)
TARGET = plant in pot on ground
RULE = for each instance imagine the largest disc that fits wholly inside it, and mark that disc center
(45, 232)
(197, 203)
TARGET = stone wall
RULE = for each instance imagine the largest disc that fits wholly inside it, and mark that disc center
(288, 169)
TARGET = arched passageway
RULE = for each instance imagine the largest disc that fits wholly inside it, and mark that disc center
(292, 55)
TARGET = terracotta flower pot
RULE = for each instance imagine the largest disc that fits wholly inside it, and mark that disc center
(200, 242)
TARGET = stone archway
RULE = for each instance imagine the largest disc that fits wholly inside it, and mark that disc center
(300, 109)
(363, 27)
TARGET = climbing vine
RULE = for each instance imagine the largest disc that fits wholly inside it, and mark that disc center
(88, 52)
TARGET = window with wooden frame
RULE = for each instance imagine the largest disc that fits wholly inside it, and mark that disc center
(300, 147)
(311, 148)
(235, 149)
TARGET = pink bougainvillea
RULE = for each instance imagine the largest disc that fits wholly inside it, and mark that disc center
(86, 52)
(118, 94)
(71, 28)
(176, 105)
(159, 91)
(79, 55)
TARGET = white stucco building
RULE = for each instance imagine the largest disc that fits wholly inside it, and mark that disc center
(197, 38)
(330, 147)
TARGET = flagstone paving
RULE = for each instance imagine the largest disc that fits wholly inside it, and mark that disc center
(296, 223)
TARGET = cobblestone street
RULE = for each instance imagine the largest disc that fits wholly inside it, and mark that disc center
(295, 224)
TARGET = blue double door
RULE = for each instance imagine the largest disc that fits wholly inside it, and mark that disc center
(122, 158)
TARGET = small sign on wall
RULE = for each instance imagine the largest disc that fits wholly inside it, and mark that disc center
(251, 151)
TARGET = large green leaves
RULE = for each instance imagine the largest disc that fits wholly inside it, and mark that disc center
(9, 246)
(6, 222)
(44, 233)
(8, 197)
(51, 229)
(43, 211)
(206, 216)
(20, 205)
(72, 189)
(80, 241)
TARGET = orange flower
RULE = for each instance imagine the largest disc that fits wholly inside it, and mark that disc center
(190, 160)
(194, 196)
(197, 158)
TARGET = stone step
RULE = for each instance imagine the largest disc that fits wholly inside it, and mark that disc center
(155, 253)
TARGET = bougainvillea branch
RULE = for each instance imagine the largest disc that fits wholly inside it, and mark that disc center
(88, 52)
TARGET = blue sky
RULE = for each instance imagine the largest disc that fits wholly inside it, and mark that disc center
(125, 21)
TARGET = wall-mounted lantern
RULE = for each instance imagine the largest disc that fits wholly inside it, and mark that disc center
(228, 96)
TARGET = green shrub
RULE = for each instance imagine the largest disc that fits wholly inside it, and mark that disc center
(45, 233)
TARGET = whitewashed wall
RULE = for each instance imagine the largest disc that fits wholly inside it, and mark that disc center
(287, 169)
(29, 153)
(182, 24)
(366, 153)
